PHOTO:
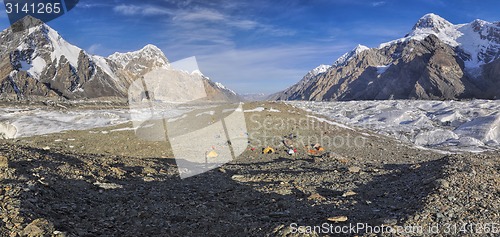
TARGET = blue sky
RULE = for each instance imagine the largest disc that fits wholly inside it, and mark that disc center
(253, 46)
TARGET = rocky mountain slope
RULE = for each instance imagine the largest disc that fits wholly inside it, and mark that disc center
(436, 60)
(38, 63)
(300, 89)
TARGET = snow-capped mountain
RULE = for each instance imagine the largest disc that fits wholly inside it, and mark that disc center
(479, 40)
(435, 60)
(37, 63)
(135, 64)
(344, 59)
(296, 90)
(318, 70)
(149, 53)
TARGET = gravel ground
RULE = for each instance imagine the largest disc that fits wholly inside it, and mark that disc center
(90, 183)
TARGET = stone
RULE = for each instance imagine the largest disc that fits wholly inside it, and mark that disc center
(348, 194)
(149, 171)
(343, 160)
(442, 183)
(316, 197)
(58, 233)
(4, 162)
(338, 219)
(354, 169)
(117, 171)
(318, 160)
(238, 177)
(38, 227)
(389, 221)
(108, 185)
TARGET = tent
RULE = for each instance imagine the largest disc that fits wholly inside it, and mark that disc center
(268, 150)
(212, 154)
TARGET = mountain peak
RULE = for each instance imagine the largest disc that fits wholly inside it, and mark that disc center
(26, 23)
(463, 63)
(478, 24)
(38, 63)
(432, 21)
(151, 47)
(320, 69)
(360, 48)
(344, 59)
(431, 16)
(152, 50)
(32, 38)
(149, 52)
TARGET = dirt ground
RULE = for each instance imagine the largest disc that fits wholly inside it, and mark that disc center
(109, 182)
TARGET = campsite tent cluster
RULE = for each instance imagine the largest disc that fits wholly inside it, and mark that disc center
(292, 149)
(289, 146)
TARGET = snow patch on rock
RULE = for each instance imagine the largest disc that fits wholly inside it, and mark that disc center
(344, 59)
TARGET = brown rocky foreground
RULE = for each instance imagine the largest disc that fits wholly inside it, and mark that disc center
(103, 183)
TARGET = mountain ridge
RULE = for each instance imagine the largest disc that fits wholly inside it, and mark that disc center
(38, 63)
(435, 60)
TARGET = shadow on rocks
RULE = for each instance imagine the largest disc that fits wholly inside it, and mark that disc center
(85, 195)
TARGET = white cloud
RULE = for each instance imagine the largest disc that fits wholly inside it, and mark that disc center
(192, 20)
(146, 10)
(92, 5)
(208, 16)
(209, 34)
(127, 9)
(244, 24)
(151, 11)
(189, 17)
(267, 69)
(94, 49)
(276, 32)
(377, 4)
(200, 15)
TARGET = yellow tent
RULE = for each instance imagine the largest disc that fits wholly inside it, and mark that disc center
(212, 154)
(268, 150)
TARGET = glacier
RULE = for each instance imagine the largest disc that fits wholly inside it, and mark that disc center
(451, 126)
(28, 122)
